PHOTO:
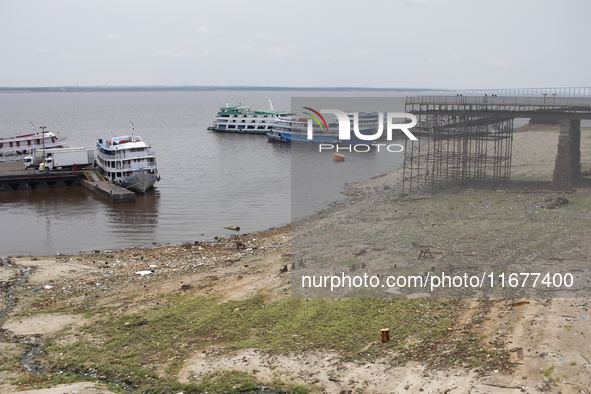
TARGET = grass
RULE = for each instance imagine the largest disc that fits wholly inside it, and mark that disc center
(548, 371)
(151, 349)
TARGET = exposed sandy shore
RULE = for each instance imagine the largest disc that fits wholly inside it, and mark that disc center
(553, 335)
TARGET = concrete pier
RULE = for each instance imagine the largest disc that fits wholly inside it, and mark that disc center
(567, 169)
(109, 191)
(14, 176)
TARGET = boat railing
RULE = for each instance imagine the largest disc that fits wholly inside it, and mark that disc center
(133, 166)
(124, 155)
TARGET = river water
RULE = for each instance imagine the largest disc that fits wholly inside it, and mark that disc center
(209, 180)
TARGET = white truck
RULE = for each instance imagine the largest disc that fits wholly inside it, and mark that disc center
(60, 158)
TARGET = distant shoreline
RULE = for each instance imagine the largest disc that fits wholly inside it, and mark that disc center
(199, 89)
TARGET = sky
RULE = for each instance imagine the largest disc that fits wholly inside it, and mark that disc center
(438, 44)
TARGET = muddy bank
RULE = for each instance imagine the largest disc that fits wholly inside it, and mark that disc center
(157, 318)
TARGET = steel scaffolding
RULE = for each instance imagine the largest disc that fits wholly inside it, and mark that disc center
(454, 149)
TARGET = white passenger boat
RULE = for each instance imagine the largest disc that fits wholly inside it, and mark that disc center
(128, 162)
(243, 120)
(17, 148)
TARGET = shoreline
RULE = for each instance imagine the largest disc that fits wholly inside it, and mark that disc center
(107, 290)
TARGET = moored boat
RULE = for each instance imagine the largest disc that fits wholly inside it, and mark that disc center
(19, 147)
(244, 120)
(290, 129)
(128, 162)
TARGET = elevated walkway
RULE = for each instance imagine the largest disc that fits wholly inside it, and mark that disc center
(464, 121)
(502, 107)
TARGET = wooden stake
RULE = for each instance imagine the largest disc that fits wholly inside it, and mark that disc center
(385, 335)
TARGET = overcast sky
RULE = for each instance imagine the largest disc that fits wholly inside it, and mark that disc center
(395, 43)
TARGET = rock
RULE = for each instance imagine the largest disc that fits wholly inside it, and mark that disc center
(419, 295)
(234, 228)
(359, 252)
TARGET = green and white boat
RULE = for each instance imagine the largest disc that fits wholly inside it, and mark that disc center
(244, 120)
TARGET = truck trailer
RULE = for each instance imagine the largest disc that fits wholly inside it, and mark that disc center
(60, 158)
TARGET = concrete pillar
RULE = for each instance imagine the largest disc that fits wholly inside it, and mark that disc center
(567, 169)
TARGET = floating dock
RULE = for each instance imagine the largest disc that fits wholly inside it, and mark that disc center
(14, 176)
(109, 191)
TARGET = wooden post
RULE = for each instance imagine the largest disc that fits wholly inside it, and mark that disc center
(385, 335)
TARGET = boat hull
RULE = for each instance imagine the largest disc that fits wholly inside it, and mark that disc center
(278, 137)
(139, 183)
(237, 131)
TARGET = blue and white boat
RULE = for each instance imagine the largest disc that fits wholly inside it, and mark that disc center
(128, 162)
(290, 129)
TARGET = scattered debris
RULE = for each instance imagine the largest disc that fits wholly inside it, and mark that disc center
(552, 203)
(424, 253)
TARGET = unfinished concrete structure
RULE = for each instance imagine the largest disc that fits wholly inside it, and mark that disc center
(470, 138)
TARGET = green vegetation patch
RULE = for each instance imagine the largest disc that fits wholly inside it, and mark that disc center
(148, 350)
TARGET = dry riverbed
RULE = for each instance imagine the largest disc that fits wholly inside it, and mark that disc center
(218, 316)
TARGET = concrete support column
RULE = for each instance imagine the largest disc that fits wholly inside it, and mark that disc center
(567, 169)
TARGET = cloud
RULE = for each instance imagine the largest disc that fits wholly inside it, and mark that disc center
(499, 63)
(325, 58)
(247, 48)
(125, 47)
(360, 54)
(262, 35)
(282, 51)
(421, 2)
(204, 30)
(112, 37)
(167, 52)
(451, 59)
(185, 53)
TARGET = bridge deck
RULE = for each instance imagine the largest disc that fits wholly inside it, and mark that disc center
(506, 107)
